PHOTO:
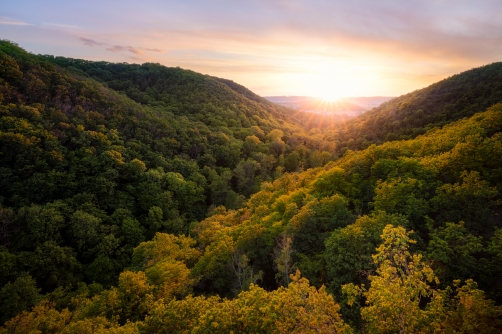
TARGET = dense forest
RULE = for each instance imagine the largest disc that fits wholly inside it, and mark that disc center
(88, 173)
(141, 198)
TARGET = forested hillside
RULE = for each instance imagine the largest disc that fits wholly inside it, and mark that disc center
(87, 173)
(140, 198)
(404, 230)
(407, 116)
(183, 92)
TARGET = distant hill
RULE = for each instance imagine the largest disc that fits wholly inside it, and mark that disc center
(348, 106)
(368, 102)
(201, 98)
(409, 115)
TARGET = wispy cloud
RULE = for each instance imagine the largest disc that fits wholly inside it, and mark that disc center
(117, 48)
(7, 21)
(138, 59)
(131, 49)
(121, 48)
(91, 42)
(61, 26)
(154, 50)
(384, 47)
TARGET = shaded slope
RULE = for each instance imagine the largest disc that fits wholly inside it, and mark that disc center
(244, 91)
(184, 92)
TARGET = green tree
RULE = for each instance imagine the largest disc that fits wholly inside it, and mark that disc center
(54, 266)
(402, 196)
(453, 252)
(349, 250)
(18, 296)
(470, 201)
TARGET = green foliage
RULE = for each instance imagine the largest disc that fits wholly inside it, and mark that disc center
(470, 201)
(453, 252)
(138, 198)
(18, 296)
(98, 157)
(315, 220)
(403, 197)
(349, 249)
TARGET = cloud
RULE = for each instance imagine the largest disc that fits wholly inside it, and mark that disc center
(7, 21)
(423, 30)
(90, 42)
(420, 29)
(138, 50)
(120, 48)
(117, 48)
(379, 47)
(154, 50)
(61, 26)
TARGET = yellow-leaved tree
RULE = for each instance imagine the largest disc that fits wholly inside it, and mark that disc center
(298, 308)
(393, 301)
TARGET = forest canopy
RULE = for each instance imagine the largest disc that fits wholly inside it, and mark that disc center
(141, 198)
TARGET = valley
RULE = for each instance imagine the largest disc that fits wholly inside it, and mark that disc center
(152, 199)
(344, 107)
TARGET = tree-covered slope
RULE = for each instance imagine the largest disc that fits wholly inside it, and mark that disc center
(220, 104)
(184, 92)
(407, 116)
(88, 172)
(346, 226)
(447, 176)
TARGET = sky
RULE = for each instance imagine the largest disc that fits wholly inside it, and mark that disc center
(329, 49)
